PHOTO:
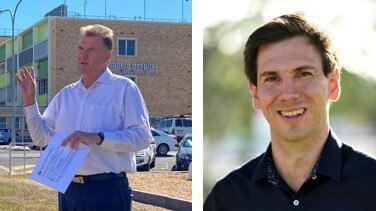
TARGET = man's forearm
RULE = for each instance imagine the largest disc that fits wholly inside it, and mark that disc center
(40, 130)
(129, 140)
(29, 101)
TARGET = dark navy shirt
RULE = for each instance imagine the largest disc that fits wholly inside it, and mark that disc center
(342, 179)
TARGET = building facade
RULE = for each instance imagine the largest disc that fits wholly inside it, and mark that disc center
(156, 55)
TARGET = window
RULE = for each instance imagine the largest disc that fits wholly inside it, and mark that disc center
(187, 122)
(42, 86)
(133, 78)
(168, 123)
(178, 123)
(161, 124)
(154, 133)
(25, 124)
(17, 126)
(3, 122)
(153, 122)
(188, 142)
(2, 67)
(127, 47)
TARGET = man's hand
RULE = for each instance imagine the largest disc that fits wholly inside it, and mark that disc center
(78, 137)
(26, 81)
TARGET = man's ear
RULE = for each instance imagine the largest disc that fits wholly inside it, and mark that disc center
(255, 99)
(108, 56)
(334, 85)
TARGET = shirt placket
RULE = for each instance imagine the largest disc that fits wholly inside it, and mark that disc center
(81, 110)
(274, 179)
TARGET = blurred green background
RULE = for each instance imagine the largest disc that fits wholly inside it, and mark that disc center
(233, 131)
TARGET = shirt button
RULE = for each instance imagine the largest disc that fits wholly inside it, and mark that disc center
(296, 202)
(314, 177)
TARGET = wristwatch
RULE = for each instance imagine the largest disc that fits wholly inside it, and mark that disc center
(101, 135)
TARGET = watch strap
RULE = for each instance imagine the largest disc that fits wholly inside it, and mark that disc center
(101, 135)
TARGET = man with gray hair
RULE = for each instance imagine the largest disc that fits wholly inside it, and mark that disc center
(102, 110)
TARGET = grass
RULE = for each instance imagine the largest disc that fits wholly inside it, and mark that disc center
(17, 192)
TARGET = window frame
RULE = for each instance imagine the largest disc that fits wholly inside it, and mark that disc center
(45, 88)
(3, 124)
(17, 124)
(127, 39)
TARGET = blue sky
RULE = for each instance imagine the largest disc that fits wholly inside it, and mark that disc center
(31, 11)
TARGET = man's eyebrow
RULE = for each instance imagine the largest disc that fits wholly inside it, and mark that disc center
(305, 67)
(266, 73)
(92, 48)
(300, 68)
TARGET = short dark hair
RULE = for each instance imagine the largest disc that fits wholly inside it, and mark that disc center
(285, 27)
(99, 30)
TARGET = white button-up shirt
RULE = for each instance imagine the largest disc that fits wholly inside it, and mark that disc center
(113, 105)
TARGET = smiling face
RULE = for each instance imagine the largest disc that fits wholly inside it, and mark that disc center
(93, 56)
(292, 91)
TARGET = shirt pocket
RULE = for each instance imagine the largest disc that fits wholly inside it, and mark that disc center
(102, 118)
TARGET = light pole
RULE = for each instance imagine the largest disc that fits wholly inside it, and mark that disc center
(12, 83)
(85, 2)
(182, 10)
(144, 10)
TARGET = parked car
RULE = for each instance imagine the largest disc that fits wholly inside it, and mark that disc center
(38, 148)
(178, 126)
(6, 137)
(184, 154)
(145, 159)
(164, 142)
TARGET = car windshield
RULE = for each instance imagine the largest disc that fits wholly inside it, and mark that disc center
(188, 142)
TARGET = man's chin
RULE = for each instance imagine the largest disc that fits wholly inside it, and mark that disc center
(82, 71)
(293, 134)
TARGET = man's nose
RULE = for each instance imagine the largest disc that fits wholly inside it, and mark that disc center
(83, 53)
(289, 90)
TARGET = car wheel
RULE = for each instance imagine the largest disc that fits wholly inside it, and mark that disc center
(162, 149)
(152, 164)
(178, 167)
(8, 142)
(146, 167)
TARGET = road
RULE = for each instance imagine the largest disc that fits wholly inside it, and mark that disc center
(165, 163)
(22, 165)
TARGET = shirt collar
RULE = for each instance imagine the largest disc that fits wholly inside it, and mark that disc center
(330, 160)
(104, 78)
(262, 167)
(331, 157)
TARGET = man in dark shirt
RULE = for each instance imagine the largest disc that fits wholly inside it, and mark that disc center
(294, 77)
